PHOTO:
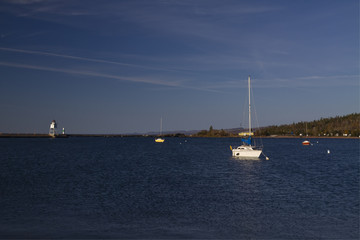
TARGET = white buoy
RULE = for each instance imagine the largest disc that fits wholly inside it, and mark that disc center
(266, 157)
(328, 151)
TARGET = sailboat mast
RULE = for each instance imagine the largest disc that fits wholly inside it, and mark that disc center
(249, 108)
(160, 126)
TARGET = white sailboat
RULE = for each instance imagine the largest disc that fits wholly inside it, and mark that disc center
(159, 139)
(246, 150)
(306, 142)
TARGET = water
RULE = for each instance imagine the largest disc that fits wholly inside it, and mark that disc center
(183, 188)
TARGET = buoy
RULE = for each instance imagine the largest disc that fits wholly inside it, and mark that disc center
(266, 157)
(328, 151)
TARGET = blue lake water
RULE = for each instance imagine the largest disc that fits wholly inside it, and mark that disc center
(183, 188)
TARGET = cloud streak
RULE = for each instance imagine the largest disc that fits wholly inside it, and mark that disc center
(92, 74)
(82, 58)
(150, 81)
(309, 81)
(24, 2)
(180, 18)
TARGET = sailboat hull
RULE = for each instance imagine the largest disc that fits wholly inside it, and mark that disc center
(246, 152)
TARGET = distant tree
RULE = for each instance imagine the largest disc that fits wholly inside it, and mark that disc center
(334, 125)
(211, 131)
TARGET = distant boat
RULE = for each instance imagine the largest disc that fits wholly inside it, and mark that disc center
(246, 150)
(159, 139)
(306, 142)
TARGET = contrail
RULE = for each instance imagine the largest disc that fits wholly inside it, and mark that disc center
(82, 59)
(62, 56)
(93, 74)
(109, 76)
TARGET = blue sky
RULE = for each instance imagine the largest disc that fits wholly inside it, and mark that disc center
(118, 66)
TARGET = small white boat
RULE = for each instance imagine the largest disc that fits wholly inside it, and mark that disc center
(246, 150)
(159, 139)
(306, 142)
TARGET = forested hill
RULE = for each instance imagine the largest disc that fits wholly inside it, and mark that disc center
(334, 126)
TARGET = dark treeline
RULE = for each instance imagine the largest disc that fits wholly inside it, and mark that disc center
(348, 125)
(214, 133)
(334, 126)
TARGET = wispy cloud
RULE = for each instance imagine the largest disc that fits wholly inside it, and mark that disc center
(92, 74)
(199, 19)
(208, 20)
(309, 81)
(84, 59)
(147, 80)
(306, 82)
(47, 9)
(65, 56)
(314, 77)
(24, 2)
(190, 77)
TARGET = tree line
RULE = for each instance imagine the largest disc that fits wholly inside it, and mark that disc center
(214, 133)
(348, 125)
(333, 126)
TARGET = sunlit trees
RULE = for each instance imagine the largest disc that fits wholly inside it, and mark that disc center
(349, 124)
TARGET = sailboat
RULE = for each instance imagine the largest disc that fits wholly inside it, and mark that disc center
(246, 150)
(159, 139)
(306, 142)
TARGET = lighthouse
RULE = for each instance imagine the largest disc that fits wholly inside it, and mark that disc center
(52, 130)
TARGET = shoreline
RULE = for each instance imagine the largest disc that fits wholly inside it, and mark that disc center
(42, 135)
(336, 137)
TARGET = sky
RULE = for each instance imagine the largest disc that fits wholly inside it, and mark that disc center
(118, 66)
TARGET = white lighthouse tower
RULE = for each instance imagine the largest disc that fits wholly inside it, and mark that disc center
(53, 127)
